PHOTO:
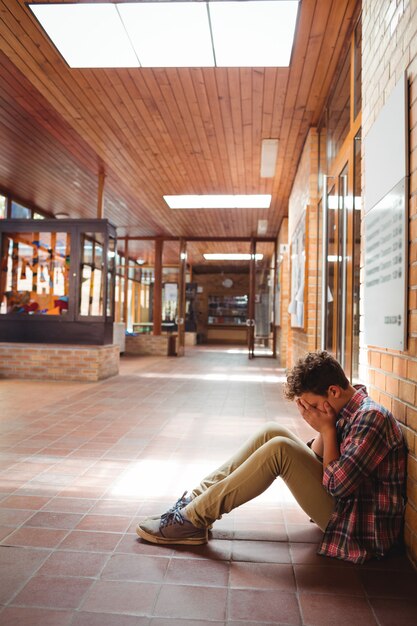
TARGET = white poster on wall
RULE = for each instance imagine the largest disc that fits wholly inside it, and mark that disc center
(386, 271)
(386, 221)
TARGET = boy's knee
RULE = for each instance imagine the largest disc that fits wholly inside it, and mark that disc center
(272, 430)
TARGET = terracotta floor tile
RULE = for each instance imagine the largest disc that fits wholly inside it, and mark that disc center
(262, 576)
(304, 533)
(135, 568)
(90, 541)
(20, 616)
(393, 612)
(121, 597)
(69, 505)
(131, 544)
(82, 618)
(61, 592)
(330, 580)
(319, 610)
(258, 605)
(389, 584)
(109, 523)
(261, 552)
(166, 621)
(61, 563)
(16, 566)
(192, 602)
(215, 549)
(196, 572)
(35, 537)
(44, 519)
(24, 502)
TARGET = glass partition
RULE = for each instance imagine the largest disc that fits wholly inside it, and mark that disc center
(35, 273)
(57, 281)
(3, 207)
(20, 212)
(92, 274)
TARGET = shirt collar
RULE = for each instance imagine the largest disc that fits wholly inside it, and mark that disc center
(354, 403)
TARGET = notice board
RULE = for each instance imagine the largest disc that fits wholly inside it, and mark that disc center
(386, 221)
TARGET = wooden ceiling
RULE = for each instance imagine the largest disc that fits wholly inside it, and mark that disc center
(159, 131)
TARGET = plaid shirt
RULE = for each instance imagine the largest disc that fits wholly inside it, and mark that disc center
(367, 482)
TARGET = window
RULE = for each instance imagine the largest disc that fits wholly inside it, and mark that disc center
(20, 212)
(35, 278)
(3, 207)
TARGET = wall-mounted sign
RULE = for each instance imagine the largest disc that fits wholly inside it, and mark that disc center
(386, 271)
(386, 220)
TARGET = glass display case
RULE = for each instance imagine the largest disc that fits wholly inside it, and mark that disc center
(57, 281)
(227, 310)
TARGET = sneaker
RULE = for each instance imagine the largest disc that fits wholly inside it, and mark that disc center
(179, 504)
(171, 528)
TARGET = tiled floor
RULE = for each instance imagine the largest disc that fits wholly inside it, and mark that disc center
(81, 463)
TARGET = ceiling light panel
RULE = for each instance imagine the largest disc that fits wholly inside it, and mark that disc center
(169, 34)
(269, 155)
(253, 201)
(87, 35)
(231, 256)
(253, 34)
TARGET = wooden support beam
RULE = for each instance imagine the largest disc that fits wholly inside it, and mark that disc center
(100, 194)
(157, 288)
(126, 283)
(181, 297)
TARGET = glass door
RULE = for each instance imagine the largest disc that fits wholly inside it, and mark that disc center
(341, 265)
(261, 323)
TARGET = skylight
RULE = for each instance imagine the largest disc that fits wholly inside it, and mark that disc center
(171, 34)
(253, 201)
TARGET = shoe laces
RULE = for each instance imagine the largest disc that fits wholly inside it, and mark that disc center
(180, 503)
(171, 517)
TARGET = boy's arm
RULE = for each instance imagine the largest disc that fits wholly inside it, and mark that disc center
(317, 445)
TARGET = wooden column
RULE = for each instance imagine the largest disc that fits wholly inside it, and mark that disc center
(126, 285)
(157, 288)
(181, 297)
(100, 194)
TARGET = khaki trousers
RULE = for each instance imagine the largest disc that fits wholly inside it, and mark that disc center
(273, 451)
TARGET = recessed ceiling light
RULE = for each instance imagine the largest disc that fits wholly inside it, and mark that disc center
(231, 257)
(262, 227)
(171, 34)
(269, 153)
(254, 201)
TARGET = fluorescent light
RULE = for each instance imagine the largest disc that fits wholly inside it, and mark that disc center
(169, 34)
(262, 227)
(232, 257)
(269, 155)
(253, 34)
(87, 35)
(253, 201)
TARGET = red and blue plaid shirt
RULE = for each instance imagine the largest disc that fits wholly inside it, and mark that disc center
(367, 482)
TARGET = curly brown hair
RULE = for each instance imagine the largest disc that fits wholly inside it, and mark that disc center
(315, 373)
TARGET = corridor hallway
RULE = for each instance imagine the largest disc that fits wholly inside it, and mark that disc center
(80, 464)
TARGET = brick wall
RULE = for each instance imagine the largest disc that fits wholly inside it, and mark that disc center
(58, 362)
(389, 48)
(303, 205)
(143, 344)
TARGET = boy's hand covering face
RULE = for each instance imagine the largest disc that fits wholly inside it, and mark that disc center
(321, 417)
